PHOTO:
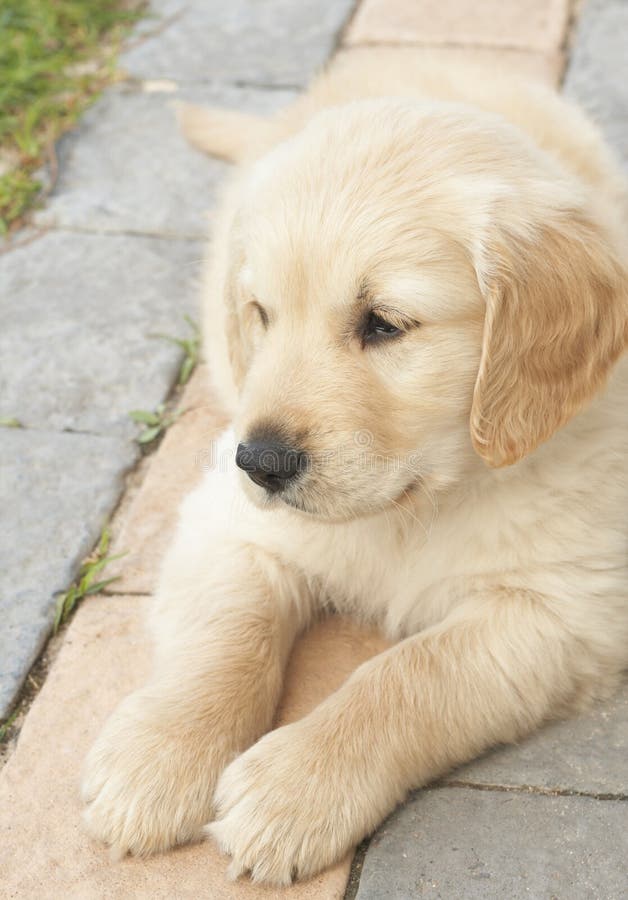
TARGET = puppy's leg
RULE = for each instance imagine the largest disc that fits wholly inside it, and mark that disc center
(226, 619)
(304, 794)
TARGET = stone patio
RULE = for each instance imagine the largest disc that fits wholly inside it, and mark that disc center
(113, 258)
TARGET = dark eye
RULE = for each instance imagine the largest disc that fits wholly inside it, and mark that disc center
(374, 328)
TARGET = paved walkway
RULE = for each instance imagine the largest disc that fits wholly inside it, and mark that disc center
(113, 259)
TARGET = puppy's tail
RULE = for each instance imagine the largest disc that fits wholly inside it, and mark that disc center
(224, 133)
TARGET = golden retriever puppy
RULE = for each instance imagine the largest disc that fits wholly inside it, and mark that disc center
(415, 307)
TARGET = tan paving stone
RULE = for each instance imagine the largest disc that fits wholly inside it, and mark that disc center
(196, 393)
(176, 466)
(540, 66)
(533, 24)
(43, 850)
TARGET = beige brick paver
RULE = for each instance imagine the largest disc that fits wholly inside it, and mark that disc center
(544, 67)
(530, 24)
(197, 394)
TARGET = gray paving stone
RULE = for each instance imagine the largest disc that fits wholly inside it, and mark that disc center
(454, 843)
(588, 753)
(56, 492)
(77, 312)
(127, 167)
(597, 75)
(278, 42)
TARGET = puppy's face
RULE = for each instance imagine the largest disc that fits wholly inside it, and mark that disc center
(364, 344)
(367, 257)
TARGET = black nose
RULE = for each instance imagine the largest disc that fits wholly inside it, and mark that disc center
(270, 464)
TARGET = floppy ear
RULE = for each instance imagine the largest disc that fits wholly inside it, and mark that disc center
(556, 321)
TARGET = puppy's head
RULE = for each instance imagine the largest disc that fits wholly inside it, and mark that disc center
(411, 287)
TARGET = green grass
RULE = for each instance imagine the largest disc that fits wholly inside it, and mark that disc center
(55, 56)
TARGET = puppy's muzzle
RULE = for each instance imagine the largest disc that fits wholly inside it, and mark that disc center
(271, 464)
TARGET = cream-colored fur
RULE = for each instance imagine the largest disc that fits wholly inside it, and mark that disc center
(469, 479)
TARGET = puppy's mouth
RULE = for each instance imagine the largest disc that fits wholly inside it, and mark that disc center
(334, 505)
(292, 498)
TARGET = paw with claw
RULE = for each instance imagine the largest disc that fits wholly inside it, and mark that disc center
(290, 806)
(149, 779)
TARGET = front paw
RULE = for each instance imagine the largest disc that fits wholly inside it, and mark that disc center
(285, 809)
(148, 780)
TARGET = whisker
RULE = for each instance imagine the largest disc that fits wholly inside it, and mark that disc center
(409, 512)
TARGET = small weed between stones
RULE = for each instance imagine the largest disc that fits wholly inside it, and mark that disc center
(191, 348)
(6, 726)
(155, 422)
(84, 584)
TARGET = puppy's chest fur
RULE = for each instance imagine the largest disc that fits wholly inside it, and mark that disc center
(409, 574)
(555, 524)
